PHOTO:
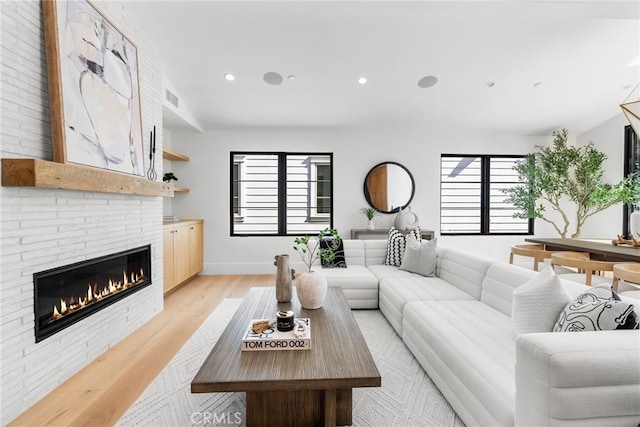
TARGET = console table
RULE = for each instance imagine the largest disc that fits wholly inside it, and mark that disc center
(599, 250)
(383, 232)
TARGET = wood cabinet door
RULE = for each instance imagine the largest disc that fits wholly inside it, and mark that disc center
(196, 249)
(167, 243)
(181, 254)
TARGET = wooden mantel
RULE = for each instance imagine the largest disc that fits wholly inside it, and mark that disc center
(69, 176)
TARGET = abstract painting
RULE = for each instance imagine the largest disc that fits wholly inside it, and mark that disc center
(93, 88)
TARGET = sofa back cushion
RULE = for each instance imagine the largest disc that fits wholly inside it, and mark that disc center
(499, 283)
(354, 252)
(463, 270)
(375, 251)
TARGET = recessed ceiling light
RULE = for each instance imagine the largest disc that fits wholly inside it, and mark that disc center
(427, 81)
(490, 84)
(272, 78)
(362, 80)
(230, 77)
(291, 77)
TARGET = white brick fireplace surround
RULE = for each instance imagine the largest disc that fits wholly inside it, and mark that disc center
(42, 228)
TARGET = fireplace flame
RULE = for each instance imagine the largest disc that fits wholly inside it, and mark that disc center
(95, 294)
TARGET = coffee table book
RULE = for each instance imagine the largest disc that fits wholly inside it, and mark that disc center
(273, 339)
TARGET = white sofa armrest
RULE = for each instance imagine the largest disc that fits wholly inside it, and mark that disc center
(578, 378)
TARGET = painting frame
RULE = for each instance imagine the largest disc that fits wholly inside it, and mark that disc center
(94, 89)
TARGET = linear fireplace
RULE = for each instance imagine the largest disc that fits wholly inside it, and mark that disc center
(65, 295)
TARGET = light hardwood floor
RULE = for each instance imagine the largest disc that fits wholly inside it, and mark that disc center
(102, 392)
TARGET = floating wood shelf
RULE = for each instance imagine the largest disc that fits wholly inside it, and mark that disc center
(180, 189)
(69, 176)
(174, 156)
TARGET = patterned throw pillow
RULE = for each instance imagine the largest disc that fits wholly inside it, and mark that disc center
(396, 243)
(338, 250)
(598, 309)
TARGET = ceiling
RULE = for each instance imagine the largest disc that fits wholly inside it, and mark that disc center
(554, 64)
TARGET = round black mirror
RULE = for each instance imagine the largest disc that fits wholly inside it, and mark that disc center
(388, 187)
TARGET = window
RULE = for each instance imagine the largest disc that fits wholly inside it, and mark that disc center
(280, 194)
(236, 194)
(471, 200)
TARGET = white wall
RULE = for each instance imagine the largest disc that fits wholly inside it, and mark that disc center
(207, 175)
(46, 228)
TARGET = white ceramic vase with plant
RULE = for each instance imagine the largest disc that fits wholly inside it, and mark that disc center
(311, 286)
(370, 213)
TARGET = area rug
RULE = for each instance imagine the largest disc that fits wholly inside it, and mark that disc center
(407, 397)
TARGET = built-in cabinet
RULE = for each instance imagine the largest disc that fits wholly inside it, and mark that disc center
(183, 251)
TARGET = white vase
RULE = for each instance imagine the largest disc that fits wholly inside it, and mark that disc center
(311, 288)
(634, 223)
(405, 219)
(370, 225)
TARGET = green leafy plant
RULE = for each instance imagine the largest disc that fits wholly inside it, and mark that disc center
(370, 212)
(560, 172)
(309, 247)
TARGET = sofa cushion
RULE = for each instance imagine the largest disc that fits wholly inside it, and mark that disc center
(375, 250)
(598, 309)
(463, 270)
(499, 283)
(396, 291)
(537, 303)
(359, 285)
(354, 251)
(384, 271)
(420, 257)
(468, 349)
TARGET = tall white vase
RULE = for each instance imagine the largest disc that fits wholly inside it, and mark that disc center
(311, 288)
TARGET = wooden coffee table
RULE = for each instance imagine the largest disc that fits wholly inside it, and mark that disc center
(292, 387)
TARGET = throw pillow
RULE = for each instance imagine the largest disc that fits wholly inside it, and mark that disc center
(419, 257)
(537, 304)
(338, 250)
(596, 310)
(395, 245)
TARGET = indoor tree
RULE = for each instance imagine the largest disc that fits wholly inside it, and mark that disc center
(561, 171)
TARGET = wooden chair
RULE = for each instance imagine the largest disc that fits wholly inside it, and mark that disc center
(629, 272)
(534, 251)
(587, 269)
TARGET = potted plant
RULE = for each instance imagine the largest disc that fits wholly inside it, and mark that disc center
(311, 286)
(561, 173)
(370, 213)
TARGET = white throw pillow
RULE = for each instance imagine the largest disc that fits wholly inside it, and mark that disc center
(537, 303)
(420, 257)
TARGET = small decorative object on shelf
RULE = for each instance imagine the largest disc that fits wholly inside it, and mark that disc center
(370, 213)
(634, 241)
(284, 276)
(169, 176)
(263, 335)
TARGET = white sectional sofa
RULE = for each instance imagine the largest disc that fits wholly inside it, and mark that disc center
(458, 326)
